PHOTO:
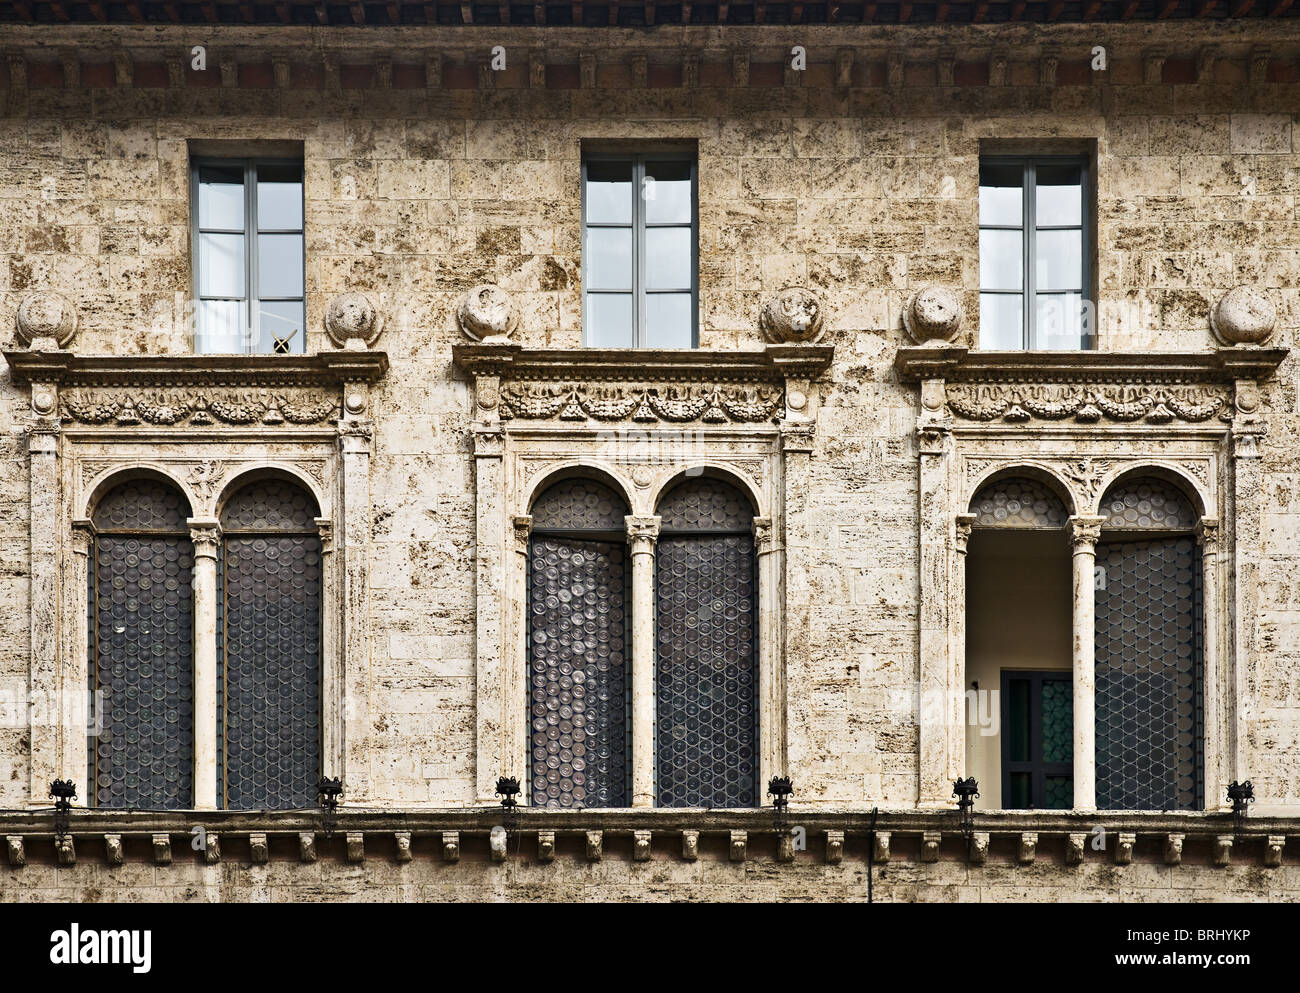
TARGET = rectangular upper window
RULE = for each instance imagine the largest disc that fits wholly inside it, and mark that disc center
(639, 250)
(1035, 261)
(248, 255)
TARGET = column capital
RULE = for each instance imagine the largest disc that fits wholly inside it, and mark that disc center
(798, 436)
(355, 436)
(642, 533)
(1085, 531)
(964, 523)
(764, 536)
(325, 528)
(489, 441)
(522, 525)
(1207, 534)
(205, 533)
(83, 535)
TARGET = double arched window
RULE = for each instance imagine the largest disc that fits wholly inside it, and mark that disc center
(1147, 627)
(142, 646)
(704, 738)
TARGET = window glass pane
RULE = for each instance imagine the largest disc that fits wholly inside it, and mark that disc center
(1059, 321)
(279, 265)
(668, 258)
(609, 192)
(1058, 195)
(609, 320)
(220, 326)
(609, 258)
(1000, 260)
(279, 197)
(668, 320)
(221, 197)
(1001, 196)
(221, 265)
(283, 321)
(1018, 720)
(1020, 796)
(1059, 263)
(1001, 321)
(667, 192)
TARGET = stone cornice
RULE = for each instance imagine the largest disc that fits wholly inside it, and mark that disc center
(243, 371)
(962, 365)
(936, 834)
(769, 364)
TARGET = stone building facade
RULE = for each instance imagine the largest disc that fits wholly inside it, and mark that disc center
(824, 463)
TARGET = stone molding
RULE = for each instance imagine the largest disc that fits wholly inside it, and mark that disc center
(901, 835)
(197, 391)
(1089, 387)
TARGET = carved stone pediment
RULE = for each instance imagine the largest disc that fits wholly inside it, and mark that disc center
(195, 390)
(643, 385)
(1087, 387)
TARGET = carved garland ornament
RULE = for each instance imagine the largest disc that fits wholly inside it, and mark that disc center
(1086, 404)
(167, 407)
(718, 404)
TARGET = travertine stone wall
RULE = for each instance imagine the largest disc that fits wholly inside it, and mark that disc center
(862, 192)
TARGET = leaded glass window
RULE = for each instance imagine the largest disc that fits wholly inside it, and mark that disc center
(268, 695)
(141, 649)
(1149, 651)
(578, 648)
(706, 660)
(1018, 502)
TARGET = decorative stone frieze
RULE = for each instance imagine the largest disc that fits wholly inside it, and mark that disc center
(45, 321)
(487, 314)
(116, 392)
(352, 322)
(1243, 316)
(933, 314)
(795, 315)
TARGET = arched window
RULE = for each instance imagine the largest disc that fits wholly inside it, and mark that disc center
(1149, 650)
(706, 659)
(141, 654)
(578, 647)
(1018, 668)
(269, 637)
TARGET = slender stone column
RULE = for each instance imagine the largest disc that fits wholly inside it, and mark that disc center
(771, 674)
(1085, 530)
(1247, 485)
(938, 694)
(75, 693)
(353, 535)
(205, 534)
(493, 758)
(957, 640)
(1216, 771)
(642, 533)
(332, 696)
(44, 701)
